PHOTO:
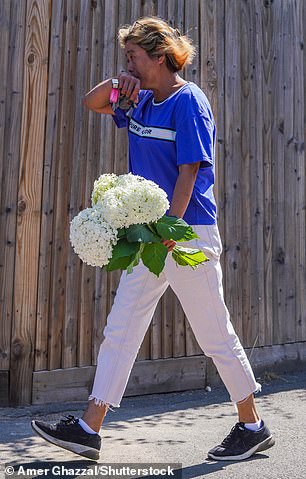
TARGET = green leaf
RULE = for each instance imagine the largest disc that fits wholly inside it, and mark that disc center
(189, 235)
(123, 254)
(135, 260)
(188, 256)
(121, 233)
(178, 258)
(185, 250)
(120, 263)
(171, 227)
(124, 248)
(141, 233)
(154, 257)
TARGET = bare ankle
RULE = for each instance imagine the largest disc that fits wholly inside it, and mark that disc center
(94, 415)
(247, 410)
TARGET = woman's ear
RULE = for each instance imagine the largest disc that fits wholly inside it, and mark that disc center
(161, 59)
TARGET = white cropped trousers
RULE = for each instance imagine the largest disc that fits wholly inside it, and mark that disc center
(200, 293)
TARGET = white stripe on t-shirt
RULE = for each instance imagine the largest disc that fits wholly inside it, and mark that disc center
(151, 131)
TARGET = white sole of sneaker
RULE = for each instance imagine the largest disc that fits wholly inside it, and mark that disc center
(262, 446)
(79, 449)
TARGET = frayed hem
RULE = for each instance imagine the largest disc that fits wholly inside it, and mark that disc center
(100, 403)
(257, 390)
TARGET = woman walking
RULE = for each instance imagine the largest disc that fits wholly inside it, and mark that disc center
(172, 138)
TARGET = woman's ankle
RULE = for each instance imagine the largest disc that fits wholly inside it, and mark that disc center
(247, 410)
(94, 415)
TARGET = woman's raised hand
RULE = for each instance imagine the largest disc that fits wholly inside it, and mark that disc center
(129, 86)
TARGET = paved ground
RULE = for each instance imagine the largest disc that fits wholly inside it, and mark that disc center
(169, 428)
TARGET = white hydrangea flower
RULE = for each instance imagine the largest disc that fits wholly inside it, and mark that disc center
(131, 200)
(101, 185)
(92, 237)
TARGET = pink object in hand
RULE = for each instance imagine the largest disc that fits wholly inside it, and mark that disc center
(114, 95)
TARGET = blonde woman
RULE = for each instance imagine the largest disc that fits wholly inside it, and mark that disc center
(172, 137)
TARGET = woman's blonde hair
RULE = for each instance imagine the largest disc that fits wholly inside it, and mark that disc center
(156, 37)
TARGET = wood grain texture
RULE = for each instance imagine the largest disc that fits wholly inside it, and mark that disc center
(73, 186)
(236, 248)
(58, 350)
(4, 388)
(12, 47)
(163, 375)
(50, 172)
(29, 199)
(301, 224)
(261, 178)
(251, 64)
(94, 157)
(87, 161)
(248, 165)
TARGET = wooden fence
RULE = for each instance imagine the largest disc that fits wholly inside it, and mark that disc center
(251, 64)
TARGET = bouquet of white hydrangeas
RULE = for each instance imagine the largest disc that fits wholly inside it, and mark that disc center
(127, 223)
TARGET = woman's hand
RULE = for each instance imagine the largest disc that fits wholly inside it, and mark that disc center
(129, 86)
(170, 244)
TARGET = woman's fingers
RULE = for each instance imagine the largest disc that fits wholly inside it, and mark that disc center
(170, 244)
(132, 90)
(129, 86)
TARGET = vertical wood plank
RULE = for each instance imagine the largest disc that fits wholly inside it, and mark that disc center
(191, 26)
(57, 350)
(155, 333)
(49, 192)
(216, 91)
(175, 17)
(211, 59)
(74, 187)
(85, 157)
(29, 199)
(108, 128)
(119, 161)
(261, 177)
(136, 10)
(162, 9)
(249, 324)
(280, 256)
(94, 152)
(300, 81)
(149, 7)
(211, 52)
(233, 126)
(295, 181)
(5, 25)
(179, 323)
(12, 15)
(290, 169)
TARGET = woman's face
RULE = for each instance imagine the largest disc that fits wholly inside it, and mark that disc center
(141, 66)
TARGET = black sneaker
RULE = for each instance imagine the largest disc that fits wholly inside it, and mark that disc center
(68, 434)
(242, 443)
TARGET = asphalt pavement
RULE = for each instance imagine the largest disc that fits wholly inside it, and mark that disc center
(165, 429)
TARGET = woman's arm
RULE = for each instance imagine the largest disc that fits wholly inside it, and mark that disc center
(183, 189)
(182, 194)
(97, 99)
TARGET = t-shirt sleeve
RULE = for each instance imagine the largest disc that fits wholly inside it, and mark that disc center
(120, 118)
(195, 136)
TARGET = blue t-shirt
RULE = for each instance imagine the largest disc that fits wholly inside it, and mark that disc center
(179, 130)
